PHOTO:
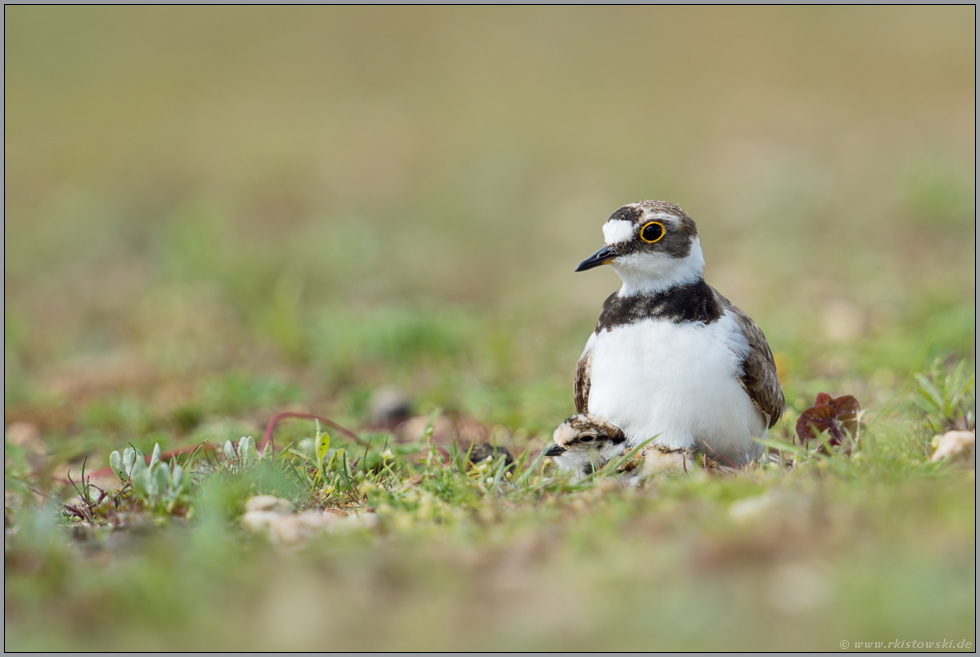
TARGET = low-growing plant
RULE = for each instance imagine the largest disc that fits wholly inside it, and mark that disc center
(157, 484)
(946, 400)
(243, 456)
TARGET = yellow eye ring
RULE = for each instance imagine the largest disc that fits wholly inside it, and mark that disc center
(643, 232)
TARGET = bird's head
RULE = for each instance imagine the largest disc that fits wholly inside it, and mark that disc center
(651, 245)
(585, 443)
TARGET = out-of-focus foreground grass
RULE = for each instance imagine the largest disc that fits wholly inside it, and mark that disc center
(214, 214)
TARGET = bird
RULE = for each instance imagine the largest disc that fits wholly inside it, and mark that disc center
(585, 443)
(670, 357)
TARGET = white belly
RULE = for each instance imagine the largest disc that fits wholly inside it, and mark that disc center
(678, 382)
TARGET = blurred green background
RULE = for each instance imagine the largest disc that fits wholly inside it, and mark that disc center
(323, 194)
(214, 213)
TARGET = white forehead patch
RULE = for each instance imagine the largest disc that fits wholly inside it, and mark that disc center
(617, 231)
(564, 434)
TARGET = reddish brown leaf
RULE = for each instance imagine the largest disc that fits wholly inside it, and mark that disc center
(821, 416)
(835, 415)
(847, 408)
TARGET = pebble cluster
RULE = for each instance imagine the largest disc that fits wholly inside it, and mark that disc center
(274, 518)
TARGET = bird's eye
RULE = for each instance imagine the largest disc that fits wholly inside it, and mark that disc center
(652, 232)
(586, 439)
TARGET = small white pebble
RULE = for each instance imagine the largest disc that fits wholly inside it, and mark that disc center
(292, 529)
(956, 446)
(289, 530)
(366, 520)
(259, 521)
(315, 520)
(269, 503)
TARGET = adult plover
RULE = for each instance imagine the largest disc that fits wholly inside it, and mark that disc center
(671, 357)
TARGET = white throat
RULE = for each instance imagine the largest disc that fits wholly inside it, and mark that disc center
(650, 273)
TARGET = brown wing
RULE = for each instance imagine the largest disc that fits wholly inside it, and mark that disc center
(583, 379)
(759, 376)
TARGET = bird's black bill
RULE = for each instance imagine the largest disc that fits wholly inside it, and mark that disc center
(555, 450)
(600, 257)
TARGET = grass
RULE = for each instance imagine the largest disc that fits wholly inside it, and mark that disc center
(214, 216)
(872, 547)
(520, 560)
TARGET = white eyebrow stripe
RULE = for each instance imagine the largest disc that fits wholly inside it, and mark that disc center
(662, 216)
(617, 231)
